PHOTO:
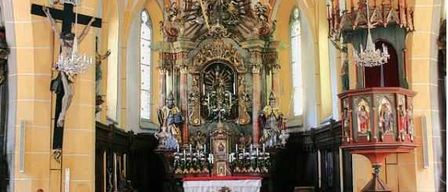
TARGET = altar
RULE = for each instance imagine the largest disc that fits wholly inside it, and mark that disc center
(222, 184)
(219, 124)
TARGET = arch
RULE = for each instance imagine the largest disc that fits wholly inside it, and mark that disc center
(391, 75)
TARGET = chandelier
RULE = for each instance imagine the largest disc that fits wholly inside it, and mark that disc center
(370, 57)
(75, 62)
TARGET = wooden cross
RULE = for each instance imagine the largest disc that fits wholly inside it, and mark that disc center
(67, 16)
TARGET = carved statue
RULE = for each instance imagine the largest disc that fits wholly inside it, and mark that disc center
(261, 11)
(243, 103)
(98, 77)
(193, 14)
(170, 27)
(271, 122)
(170, 118)
(346, 116)
(194, 99)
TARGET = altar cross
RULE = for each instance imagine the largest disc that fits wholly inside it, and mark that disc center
(67, 16)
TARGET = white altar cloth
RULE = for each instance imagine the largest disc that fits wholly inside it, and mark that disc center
(215, 184)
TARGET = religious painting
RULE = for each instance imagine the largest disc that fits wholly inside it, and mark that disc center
(363, 117)
(221, 168)
(385, 115)
(220, 148)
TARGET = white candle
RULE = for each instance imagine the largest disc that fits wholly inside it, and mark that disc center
(257, 151)
(236, 148)
(190, 149)
(185, 154)
(250, 148)
(264, 148)
(67, 180)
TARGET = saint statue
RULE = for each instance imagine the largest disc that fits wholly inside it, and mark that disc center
(346, 116)
(243, 103)
(170, 118)
(272, 122)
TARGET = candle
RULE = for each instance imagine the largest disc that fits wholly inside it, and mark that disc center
(236, 148)
(257, 151)
(177, 148)
(185, 154)
(264, 148)
(190, 148)
(250, 148)
(205, 146)
(67, 180)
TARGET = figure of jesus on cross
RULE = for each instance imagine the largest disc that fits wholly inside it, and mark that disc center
(69, 62)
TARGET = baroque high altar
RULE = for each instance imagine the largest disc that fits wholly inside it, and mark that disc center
(217, 116)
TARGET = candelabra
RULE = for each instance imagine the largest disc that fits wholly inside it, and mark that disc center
(192, 162)
(74, 63)
(252, 162)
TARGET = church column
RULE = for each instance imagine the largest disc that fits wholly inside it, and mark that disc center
(184, 102)
(275, 79)
(256, 103)
(162, 85)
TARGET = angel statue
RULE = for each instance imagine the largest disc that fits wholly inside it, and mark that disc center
(272, 122)
(170, 118)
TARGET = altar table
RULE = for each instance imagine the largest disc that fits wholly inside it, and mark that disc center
(218, 184)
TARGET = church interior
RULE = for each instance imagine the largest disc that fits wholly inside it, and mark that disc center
(222, 95)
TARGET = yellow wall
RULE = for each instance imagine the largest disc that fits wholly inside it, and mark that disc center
(32, 57)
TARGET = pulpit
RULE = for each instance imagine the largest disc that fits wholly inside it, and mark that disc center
(222, 184)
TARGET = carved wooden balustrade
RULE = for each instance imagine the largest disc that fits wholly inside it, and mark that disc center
(377, 122)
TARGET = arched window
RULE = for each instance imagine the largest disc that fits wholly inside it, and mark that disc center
(145, 66)
(296, 63)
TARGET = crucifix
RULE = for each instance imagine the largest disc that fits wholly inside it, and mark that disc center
(62, 85)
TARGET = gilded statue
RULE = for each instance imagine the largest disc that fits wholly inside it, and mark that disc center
(170, 118)
(272, 122)
(243, 103)
(194, 99)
